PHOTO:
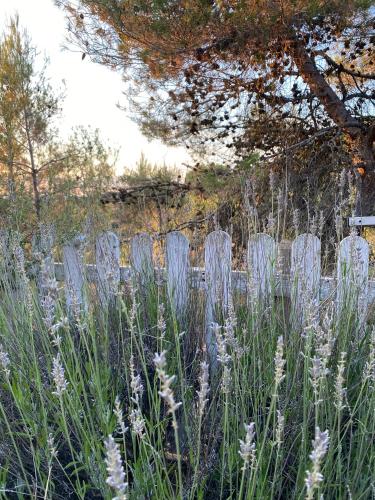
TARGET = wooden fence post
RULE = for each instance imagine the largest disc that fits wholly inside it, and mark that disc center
(141, 259)
(107, 252)
(283, 265)
(305, 276)
(13, 273)
(218, 262)
(178, 265)
(74, 276)
(42, 245)
(284, 257)
(261, 259)
(352, 277)
(6, 256)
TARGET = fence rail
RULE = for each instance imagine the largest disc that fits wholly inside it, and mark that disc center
(282, 282)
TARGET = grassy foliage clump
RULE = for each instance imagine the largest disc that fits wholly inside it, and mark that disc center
(124, 401)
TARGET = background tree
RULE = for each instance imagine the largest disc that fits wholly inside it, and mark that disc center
(150, 197)
(74, 184)
(10, 89)
(44, 176)
(216, 71)
(29, 107)
(160, 199)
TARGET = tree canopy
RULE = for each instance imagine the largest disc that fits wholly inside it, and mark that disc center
(233, 77)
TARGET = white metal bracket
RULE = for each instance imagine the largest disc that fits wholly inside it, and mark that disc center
(362, 221)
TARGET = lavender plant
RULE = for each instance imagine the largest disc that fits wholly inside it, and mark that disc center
(88, 410)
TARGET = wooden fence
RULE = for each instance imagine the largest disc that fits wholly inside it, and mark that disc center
(261, 278)
(298, 278)
(302, 282)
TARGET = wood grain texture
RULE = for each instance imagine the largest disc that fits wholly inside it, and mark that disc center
(107, 253)
(218, 276)
(42, 250)
(352, 276)
(305, 276)
(74, 276)
(178, 269)
(261, 257)
(141, 259)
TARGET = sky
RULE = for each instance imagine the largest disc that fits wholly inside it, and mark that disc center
(92, 91)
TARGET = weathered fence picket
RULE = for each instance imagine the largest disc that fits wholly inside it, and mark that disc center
(74, 275)
(107, 251)
(305, 275)
(42, 248)
(178, 268)
(261, 259)
(352, 277)
(218, 262)
(141, 259)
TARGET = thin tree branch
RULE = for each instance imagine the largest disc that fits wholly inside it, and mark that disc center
(342, 69)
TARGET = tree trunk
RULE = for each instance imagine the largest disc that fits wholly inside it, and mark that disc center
(34, 170)
(364, 163)
(360, 136)
(10, 167)
(34, 175)
(366, 194)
